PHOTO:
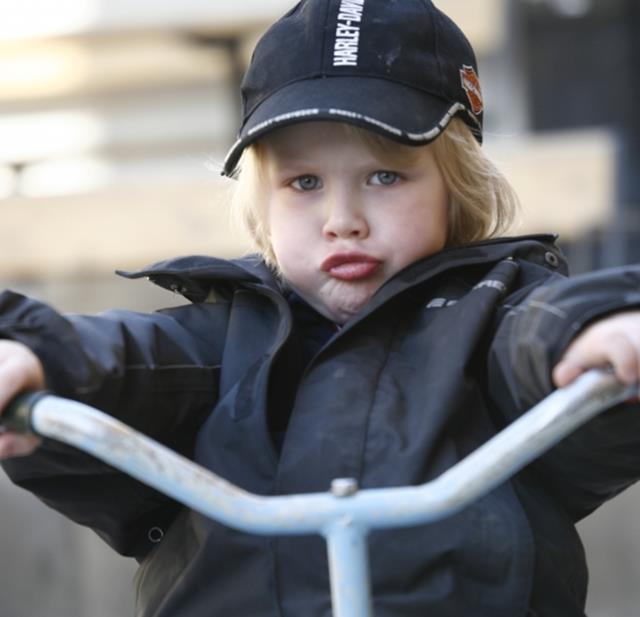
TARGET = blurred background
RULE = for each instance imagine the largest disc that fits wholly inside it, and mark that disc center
(114, 119)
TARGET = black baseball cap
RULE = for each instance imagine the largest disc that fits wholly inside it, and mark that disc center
(401, 68)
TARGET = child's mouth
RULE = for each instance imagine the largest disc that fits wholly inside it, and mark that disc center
(350, 266)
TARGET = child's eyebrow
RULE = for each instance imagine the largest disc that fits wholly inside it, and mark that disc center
(290, 163)
(284, 159)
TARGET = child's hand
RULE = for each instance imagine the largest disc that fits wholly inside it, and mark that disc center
(20, 370)
(613, 341)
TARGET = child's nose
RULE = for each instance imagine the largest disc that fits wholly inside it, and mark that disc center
(345, 219)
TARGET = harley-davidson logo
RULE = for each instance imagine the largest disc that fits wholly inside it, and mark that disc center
(471, 85)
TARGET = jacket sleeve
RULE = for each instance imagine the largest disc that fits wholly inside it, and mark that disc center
(602, 458)
(156, 372)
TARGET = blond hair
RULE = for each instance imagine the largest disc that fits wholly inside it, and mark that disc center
(482, 203)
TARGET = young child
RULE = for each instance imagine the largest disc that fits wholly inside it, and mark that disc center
(380, 334)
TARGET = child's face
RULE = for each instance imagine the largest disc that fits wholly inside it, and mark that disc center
(341, 220)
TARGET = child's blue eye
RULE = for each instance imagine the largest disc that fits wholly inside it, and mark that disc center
(385, 178)
(307, 183)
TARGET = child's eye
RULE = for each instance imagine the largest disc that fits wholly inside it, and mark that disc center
(307, 183)
(384, 178)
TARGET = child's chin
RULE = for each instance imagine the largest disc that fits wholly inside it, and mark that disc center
(345, 310)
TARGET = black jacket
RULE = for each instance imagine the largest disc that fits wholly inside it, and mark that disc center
(446, 353)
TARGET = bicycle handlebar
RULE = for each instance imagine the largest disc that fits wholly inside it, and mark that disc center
(17, 414)
(115, 443)
(344, 515)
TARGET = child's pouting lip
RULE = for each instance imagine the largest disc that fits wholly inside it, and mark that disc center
(350, 266)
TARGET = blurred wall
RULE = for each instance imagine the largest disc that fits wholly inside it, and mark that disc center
(114, 118)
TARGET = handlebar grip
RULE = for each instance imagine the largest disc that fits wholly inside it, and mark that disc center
(17, 414)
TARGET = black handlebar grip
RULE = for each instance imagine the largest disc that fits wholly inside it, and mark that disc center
(17, 414)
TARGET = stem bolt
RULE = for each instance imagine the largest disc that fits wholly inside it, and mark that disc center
(344, 487)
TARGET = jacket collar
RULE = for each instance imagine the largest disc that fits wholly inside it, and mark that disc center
(193, 276)
(535, 248)
(539, 248)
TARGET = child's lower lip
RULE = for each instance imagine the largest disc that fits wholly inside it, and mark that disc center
(354, 270)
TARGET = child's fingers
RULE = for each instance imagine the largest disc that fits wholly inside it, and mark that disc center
(565, 372)
(624, 357)
(20, 370)
(12, 445)
(580, 356)
(617, 350)
(11, 379)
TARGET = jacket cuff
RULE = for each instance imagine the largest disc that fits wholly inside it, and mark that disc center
(557, 313)
(49, 336)
(534, 334)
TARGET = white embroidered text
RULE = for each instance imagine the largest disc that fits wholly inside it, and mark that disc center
(347, 45)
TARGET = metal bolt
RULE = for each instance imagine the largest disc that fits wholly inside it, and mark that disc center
(552, 259)
(155, 535)
(344, 487)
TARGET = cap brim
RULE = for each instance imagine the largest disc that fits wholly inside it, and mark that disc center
(391, 109)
